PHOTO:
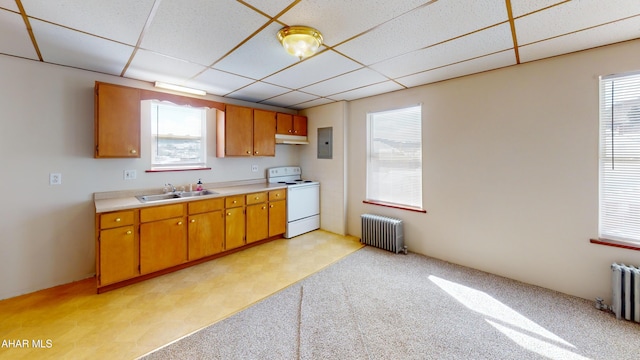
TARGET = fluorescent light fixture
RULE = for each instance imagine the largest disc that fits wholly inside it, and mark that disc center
(162, 85)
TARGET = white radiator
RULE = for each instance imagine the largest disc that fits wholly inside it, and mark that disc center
(383, 232)
(625, 287)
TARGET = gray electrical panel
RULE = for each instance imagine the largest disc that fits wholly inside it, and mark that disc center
(325, 143)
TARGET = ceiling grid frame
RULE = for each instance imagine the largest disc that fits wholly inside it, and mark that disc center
(338, 71)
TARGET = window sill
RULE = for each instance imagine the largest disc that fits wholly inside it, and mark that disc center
(617, 243)
(177, 169)
(395, 206)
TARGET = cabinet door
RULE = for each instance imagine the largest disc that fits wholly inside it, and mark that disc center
(257, 222)
(206, 234)
(234, 226)
(264, 133)
(117, 121)
(277, 217)
(118, 255)
(284, 124)
(299, 125)
(238, 131)
(162, 244)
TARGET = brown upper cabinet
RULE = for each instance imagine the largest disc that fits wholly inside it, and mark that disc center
(117, 117)
(243, 131)
(288, 124)
(117, 121)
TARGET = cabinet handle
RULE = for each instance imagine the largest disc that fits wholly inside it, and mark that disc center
(193, 220)
(228, 214)
(248, 152)
(235, 201)
(290, 131)
(129, 232)
(277, 194)
(271, 206)
(257, 198)
(264, 207)
(133, 151)
(179, 222)
(295, 131)
(118, 220)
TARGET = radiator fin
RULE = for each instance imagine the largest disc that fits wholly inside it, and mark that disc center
(383, 232)
(625, 286)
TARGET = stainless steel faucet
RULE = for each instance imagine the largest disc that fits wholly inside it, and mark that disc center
(171, 187)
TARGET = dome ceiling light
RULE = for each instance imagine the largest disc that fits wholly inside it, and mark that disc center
(300, 41)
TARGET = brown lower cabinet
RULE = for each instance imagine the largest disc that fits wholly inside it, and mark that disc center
(206, 228)
(116, 247)
(163, 244)
(135, 244)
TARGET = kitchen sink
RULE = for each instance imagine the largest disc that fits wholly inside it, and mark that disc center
(176, 195)
(196, 193)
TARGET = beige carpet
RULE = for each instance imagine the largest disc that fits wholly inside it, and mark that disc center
(377, 305)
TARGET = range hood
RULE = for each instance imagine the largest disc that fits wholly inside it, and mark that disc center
(291, 139)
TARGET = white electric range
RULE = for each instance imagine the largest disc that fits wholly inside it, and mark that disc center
(303, 199)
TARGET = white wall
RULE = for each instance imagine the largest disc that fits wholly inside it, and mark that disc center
(46, 117)
(510, 170)
(330, 172)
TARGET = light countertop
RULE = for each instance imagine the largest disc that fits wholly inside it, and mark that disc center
(122, 200)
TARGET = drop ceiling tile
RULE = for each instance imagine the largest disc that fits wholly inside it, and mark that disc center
(201, 31)
(14, 38)
(522, 7)
(426, 26)
(63, 46)
(219, 82)
(270, 7)
(494, 39)
(317, 68)
(119, 20)
(149, 66)
(598, 36)
(257, 92)
(348, 81)
(261, 56)
(375, 89)
(312, 103)
(485, 63)
(339, 20)
(9, 5)
(289, 99)
(561, 19)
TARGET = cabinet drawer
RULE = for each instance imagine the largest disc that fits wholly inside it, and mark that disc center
(161, 212)
(116, 219)
(277, 194)
(256, 198)
(234, 201)
(197, 207)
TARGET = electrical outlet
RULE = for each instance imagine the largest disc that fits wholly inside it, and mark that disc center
(129, 175)
(55, 179)
(254, 168)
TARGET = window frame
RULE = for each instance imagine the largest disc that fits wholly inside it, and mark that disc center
(387, 200)
(610, 120)
(180, 166)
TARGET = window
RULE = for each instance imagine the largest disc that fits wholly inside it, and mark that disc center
(394, 157)
(620, 157)
(178, 137)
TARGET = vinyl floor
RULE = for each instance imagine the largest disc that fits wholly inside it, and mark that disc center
(73, 322)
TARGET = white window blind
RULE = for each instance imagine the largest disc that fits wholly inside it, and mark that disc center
(620, 158)
(178, 136)
(394, 161)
